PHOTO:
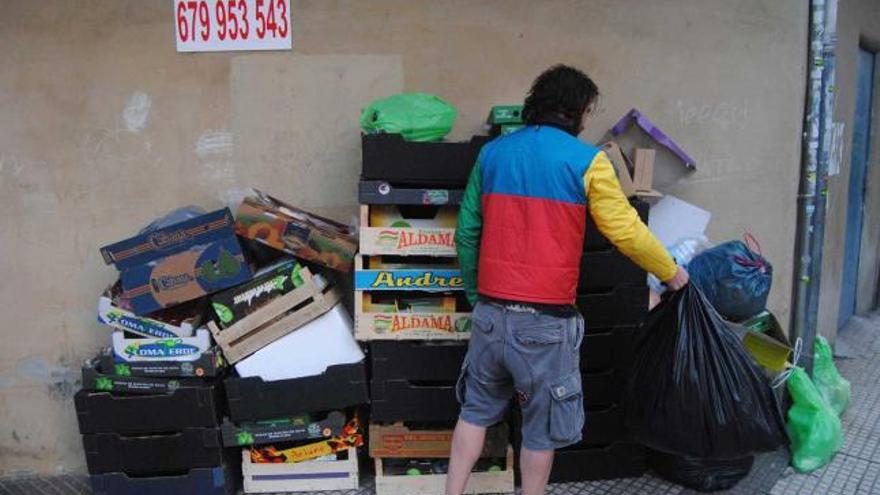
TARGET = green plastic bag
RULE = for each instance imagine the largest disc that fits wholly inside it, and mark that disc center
(834, 388)
(417, 116)
(814, 429)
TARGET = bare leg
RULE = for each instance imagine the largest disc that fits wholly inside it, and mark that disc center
(535, 467)
(467, 444)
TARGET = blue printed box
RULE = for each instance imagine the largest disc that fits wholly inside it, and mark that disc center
(381, 276)
(166, 241)
(201, 481)
(184, 276)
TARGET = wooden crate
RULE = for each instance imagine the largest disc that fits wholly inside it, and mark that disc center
(276, 319)
(434, 237)
(400, 441)
(307, 476)
(435, 484)
(426, 274)
(375, 322)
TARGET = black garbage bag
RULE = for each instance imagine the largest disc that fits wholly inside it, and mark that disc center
(703, 475)
(695, 390)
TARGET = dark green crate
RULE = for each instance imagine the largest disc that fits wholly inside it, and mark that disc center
(505, 114)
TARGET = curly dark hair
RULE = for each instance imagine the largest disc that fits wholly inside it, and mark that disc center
(560, 95)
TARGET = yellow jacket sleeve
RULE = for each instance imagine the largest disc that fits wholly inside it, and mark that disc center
(620, 223)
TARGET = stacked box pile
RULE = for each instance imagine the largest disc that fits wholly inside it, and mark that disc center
(219, 367)
(151, 403)
(411, 311)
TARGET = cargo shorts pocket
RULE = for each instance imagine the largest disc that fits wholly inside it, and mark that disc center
(566, 408)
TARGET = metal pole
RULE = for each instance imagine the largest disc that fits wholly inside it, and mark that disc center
(814, 172)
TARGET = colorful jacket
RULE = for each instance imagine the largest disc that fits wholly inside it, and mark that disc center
(521, 226)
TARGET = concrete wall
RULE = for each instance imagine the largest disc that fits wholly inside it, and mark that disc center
(858, 23)
(104, 126)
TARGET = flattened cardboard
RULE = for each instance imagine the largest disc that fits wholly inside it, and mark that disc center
(621, 165)
(377, 321)
(643, 170)
(580, 463)
(209, 364)
(130, 350)
(302, 427)
(390, 158)
(305, 235)
(339, 387)
(277, 319)
(153, 454)
(93, 379)
(378, 192)
(307, 476)
(295, 356)
(203, 481)
(186, 407)
(184, 276)
(386, 231)
(422, 279)
(163, 242)
(122, 319)
(233, 304)
(400, 441)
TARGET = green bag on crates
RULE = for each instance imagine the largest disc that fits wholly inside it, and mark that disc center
(813, 428)
(835, 389)
(417, 116)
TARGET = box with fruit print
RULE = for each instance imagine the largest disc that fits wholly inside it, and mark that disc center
(411, 315)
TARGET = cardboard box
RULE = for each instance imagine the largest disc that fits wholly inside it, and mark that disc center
(390, 158)
(186, 407)
(310, 350)
(340, 386)
(639, 183)
(430, 483)
(378, 192)
(141, 349)
(289, 429)
(292, 453)
(233, 304)
(411, 315)
(277, 319)
(375, 278)
(95, 380)
(305, 235)
(209, 364)
(400, 441)
(203, 481)
(176, 238)
(408, 231)
(185, 276)
(605, 270)
(581, 463)
(307, 476)
(180, 321)
(153, 454)
(620, 306)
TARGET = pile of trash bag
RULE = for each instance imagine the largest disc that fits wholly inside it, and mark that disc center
(735, 278)
(695, 392)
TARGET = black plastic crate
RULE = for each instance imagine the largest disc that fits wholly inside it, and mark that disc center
(417, 360)
(607, 269)
(595, 241)
(93, 379)
(580, 463)
(209, 364)
(618, 307)
(153, 454)
(380, 192)
(186, 407)
(201, 481)
(604, 425)
(390, 158)
(405, 400)
(603, 388)
(338, 387)
(608, 348)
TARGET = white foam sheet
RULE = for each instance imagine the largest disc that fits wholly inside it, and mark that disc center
(307, 351)
(673, 219)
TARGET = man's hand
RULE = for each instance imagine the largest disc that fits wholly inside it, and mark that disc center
(679, 280)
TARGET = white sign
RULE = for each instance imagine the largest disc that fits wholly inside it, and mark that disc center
(227, 25)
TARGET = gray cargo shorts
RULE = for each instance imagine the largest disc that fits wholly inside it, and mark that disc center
(535, 357)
